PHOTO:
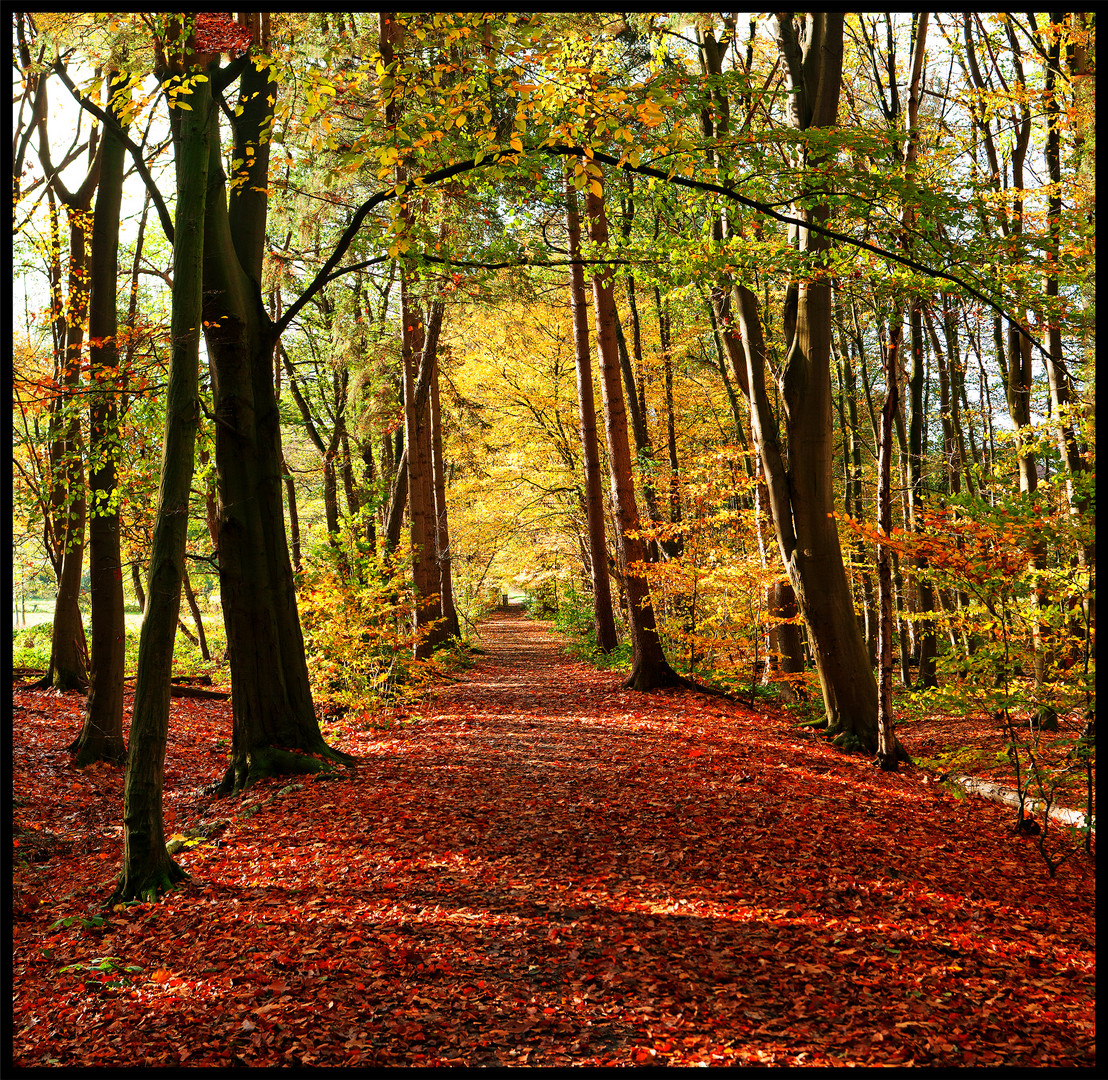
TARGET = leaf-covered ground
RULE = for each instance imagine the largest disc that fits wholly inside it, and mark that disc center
(543, 869)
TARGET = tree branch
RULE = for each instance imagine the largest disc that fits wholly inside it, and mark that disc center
(136, 153)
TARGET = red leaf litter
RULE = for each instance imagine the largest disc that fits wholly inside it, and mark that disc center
(217, 32)
(542, 868)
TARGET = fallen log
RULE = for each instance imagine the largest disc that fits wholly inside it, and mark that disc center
(196, 691)
(999, 793)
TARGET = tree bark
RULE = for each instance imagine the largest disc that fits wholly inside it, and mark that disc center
(603, 616)
(294, 516)
(451, 628)
(68, 669)
(275, 729)
(649, 669)
(101, 737)
(888, 749)
(148, 868)
(194, 609)
(801, 490)
(420, 343)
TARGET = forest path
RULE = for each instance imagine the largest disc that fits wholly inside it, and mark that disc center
(677, 879)
(542, 868)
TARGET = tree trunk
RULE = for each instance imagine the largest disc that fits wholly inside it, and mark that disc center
(889, 751)
(419, 345)
(650, 669)
(194, 609)
(101, 737)
(590, 450)
(274, 721)
(294, 516)
(140, 592)
(925, 606)
(68, 669)
(148, 868)
(801, 491)
(853, 498)
(666, 343)
(450, 627)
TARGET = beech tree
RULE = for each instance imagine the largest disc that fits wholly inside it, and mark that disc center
(275, 728)
(101, 737)
(65, 515)
(590, 451)
(649, 667)
(148, 869)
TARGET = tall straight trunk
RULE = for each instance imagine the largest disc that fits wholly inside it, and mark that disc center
(1061, 389)
(68, 668)
(420, 342)
(853, 453)
(925, 606)
(451, 628)
(148, 868)
(666, 342)
(650, 669)
(370, 481)
(274, 726)
(294, 516)
(802, 489)
(590, 449)
(394, 517)
(101, 737)
(948, 411)
(64, 515)
(887, 746)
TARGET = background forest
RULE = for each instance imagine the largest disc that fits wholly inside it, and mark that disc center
(354, 271)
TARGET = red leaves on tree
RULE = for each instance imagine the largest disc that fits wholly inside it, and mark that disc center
(542, 869)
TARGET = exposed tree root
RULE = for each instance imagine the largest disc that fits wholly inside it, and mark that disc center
(148, 884)
(269, 761)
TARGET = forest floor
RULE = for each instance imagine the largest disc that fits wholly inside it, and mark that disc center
(541, 868)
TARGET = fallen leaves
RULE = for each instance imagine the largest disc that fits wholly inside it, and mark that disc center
(544, 870)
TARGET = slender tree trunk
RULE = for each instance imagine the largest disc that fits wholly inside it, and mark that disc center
(590, 449)
(101, 737)
(294, 516)
(853, 453)
(140, 592)
(370, 480)
(665, 340)
(888, 748)
(650, 669)
(451, 628)
(394, 519)
(925, 607)
(421, 510)
(194, 609)
(68, 668)
(148, 868)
